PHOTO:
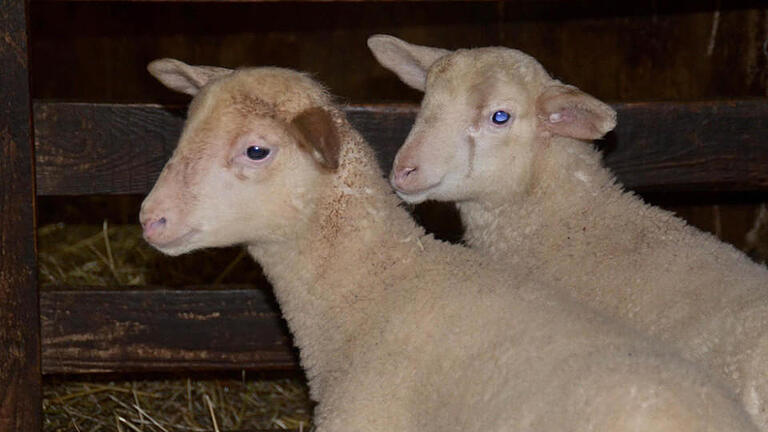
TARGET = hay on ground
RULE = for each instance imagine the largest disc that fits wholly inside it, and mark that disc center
(176, 405)
(107, 256)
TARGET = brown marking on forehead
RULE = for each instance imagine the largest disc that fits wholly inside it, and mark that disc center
(440, 68)
(481, 92)
(232, 107)
(457, 67)
(266, 92)
(252, 105)
(443, 64)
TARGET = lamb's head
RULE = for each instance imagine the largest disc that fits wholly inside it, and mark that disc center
(485, 115)
(256, 145)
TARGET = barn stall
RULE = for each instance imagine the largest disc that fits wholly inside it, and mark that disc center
(124, 338)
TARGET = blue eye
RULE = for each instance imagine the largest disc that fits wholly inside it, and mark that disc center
(256, 152)
(500, 117)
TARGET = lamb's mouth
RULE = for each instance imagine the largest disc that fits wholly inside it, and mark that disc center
(416, 196)
(178, 244)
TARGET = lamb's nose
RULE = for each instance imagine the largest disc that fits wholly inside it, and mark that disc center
(402, 174)
(153, 227)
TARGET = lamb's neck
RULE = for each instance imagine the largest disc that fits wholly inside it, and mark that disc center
(328, 280)
(567, 186)
(323, 270)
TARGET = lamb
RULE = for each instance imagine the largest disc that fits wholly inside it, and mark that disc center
(512, 146)
(397, 331)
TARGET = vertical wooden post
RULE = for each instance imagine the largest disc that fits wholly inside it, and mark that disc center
(20, 392)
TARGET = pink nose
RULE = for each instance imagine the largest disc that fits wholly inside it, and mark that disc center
(153, 227)
(402, 175)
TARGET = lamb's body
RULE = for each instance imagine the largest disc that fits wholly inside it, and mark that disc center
(548, 206)
(398, 331)
(638, 263)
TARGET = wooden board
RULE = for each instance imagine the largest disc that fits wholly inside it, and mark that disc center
(618, 51)
(20, 394)
(322, 38)
(659, 146)
(691, 147)
(91, 149)
(636, 51)
(165, 330)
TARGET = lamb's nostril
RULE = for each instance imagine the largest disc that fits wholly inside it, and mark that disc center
(153, 226)
(403, 173)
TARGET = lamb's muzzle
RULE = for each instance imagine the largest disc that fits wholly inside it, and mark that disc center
(400, 177)
(152, 227)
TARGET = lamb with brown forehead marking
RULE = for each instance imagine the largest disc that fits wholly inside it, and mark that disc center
(398, 331)
(533, 194)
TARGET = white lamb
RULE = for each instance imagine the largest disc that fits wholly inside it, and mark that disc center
(512, 147)
(397, 331)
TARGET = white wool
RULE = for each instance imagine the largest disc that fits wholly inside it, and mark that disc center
(581, 176)
(542, 203)
(417, 336)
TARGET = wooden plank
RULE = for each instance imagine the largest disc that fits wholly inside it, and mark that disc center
(114, 34)
(100, 149)
(635, 51)
(691, 147)
(20, 394)
(622, 51)
(162, 330)
(659, 146)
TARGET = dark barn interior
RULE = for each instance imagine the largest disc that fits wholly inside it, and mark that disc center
(101, 139)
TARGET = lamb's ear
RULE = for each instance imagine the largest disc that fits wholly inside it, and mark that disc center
(410, 62)
(184, 78)
(567, 111)
(319, 135)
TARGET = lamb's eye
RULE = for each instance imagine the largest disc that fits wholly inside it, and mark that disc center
(256, 153)
(500, 117)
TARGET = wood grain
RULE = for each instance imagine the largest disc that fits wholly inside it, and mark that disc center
(659, 146)
(636, 51)
(162, 330)
(617, 51)
(691, 147)
(20, 397)
(91, 149)
(327, 39)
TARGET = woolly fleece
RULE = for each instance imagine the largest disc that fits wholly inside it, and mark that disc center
(398, 331)
(534, 196)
